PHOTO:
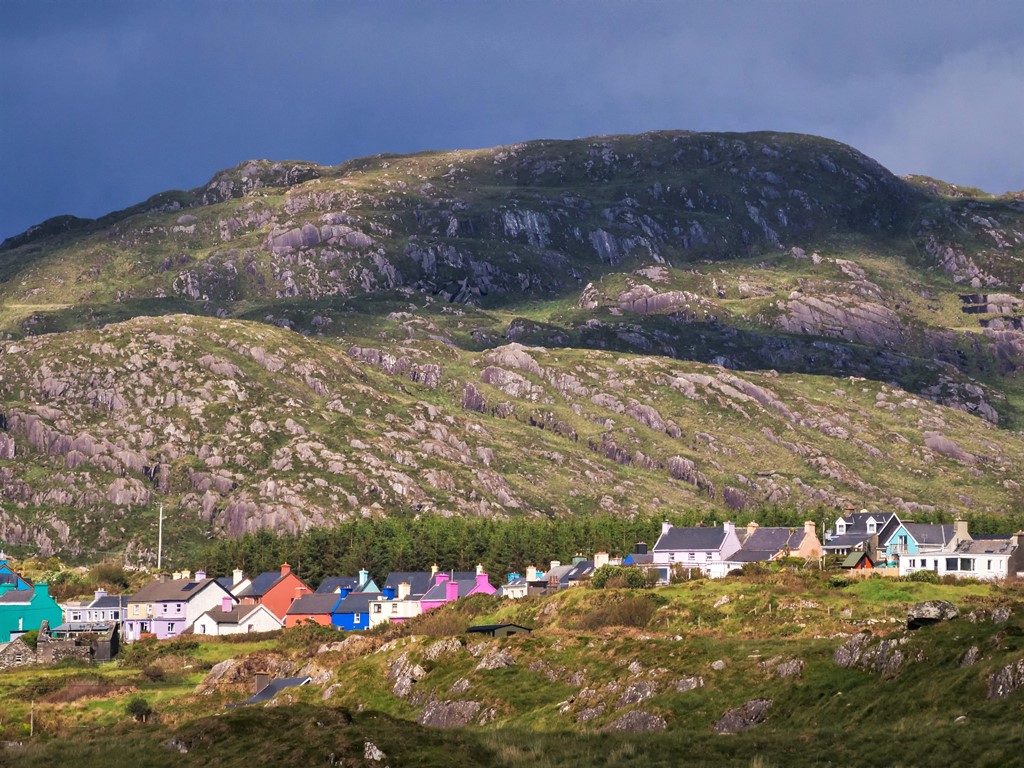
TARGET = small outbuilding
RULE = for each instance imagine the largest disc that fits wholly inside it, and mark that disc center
(499, 630)
(858, 561)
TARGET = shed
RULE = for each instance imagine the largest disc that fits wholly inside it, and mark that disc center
(499, 630)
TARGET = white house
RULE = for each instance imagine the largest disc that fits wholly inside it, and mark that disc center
(983, 557)
(704, 549)
(232, 619)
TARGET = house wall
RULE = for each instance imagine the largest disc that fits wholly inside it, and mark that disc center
(261, 621)
(351, 621)
(279, 598)
(395, 611)
(24, 617)
(294, 619)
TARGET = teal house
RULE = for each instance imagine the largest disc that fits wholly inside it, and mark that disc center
(918, 539)
(24, 606)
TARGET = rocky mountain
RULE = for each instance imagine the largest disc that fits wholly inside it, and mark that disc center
(631, 324)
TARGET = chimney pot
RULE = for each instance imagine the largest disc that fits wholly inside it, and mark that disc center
(226, 602)
(285, 569)
(200, 575)
(531, 573)
(666, 526)
(451, 591)
(236, 576)
(403, 590)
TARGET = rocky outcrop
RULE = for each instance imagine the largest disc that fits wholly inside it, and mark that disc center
(449, 714)
(636, 721)
(862, 651)
(753, 712)
(930, 612)
(1006, 680)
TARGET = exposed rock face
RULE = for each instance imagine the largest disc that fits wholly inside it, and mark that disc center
(885, 656)
(739, 719)
(1006, 680)
(449, 714)
(637, 692)
(689, 684)
(636, 721)
(784, 667)
(930, 612)
(405, 673)
(496, 659)
(970, 656)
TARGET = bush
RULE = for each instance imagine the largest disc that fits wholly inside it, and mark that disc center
(927, 577)
(629, 611)
(138, 709)
(154, 673)
(618, 577)
(838, 581)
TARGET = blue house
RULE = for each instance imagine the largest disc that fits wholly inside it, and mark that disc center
(353, 611)
(909, 539)
(347, 584)
(8, 576)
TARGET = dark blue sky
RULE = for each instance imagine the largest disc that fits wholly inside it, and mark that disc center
(105, 103)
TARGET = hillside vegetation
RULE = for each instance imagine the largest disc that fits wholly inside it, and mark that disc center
(637, 325)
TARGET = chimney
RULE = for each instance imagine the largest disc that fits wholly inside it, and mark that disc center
(343, 592)
(299, 592)
(810, 528)
(389, 593)
(960, 530)
(1015, 539)
(262, 681)
(451, 591)
(285, 569)
(176, 575)
(531, 573)
(640, 548)
(403, 590)
(440, 578)
(186, 575)
(481, 579)
(237, 576)
(600, 558)
(752, 526)
(433, 570)
(666, 526)
(728, 527)
(364, 576)
(479, 568)
(226, 603)
(555, 564)
(200, 575)
(578, 558)
(100, 593)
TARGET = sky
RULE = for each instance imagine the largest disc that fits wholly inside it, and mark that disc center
(103, 104)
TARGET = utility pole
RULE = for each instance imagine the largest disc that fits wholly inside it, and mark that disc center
(32, 720)
(160, 539)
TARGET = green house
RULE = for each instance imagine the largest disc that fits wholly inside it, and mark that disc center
(22, 610)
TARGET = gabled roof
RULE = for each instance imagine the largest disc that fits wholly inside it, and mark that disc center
(440, 591)
(419, 581)
(855, 557)
(356, 602)
(847, 540)
(261, 584)
(16, 596)
(237, 615)
(319, 603)
(857, 522)
(173, 590)
(690, 538)
(773, 539)
(924, 533)
(109, 601)
(745, 555)
(334, 583)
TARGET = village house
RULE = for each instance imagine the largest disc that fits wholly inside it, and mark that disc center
(982, 557)
(914, 540)
(22, 610)
(230, 618)
(447, 589)
(348, 584)
(859, 531)
(166, 608)
(705, 549)
(761, 544)
(277, 590)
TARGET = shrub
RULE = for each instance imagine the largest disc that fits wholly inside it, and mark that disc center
(629, 611)
(154, 673)
(927, 577)
(138, 709)
(838, 581)
(617, 577)
(30, 638)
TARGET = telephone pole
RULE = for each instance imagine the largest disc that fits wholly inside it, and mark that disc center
(160, 539)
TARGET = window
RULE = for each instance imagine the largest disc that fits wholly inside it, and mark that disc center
(376, 607)
(952, 564)
(989, 567)
(840, 528)
(966, 563)
(912, 563)
(177, 607)
(116, 616)
(135, 610)
(249, 629)
(202, 629)
(872, 526)
(394, 608)
(692, 556)
(170, 627)
(76, 616)
(358, 618)
(902, 542)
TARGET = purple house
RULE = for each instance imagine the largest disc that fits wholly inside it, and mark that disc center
(167, 608)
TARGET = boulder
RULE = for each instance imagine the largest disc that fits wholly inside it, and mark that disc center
(636, 721)
(750, 714)
(1006, 680)
(448, 714)
(689, 684)
(930, 612)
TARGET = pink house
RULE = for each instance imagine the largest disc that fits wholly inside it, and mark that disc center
(446, 589)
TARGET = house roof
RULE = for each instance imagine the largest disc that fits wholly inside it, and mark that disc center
(17, 596)
(334, 583)
(419, 581)
(492, 627)
(109, 601)
(925, 533)
(273, 688)
(987, 545)
(745, 555)
(238, 614)
(857, 522)
(9, 577)
(773, 539)
(847, 540)
(690, 538)
(356, 602)
(855, 557)
(440, 591)
(225, 581)
(174, 589)
(261, 584)
(315, 603)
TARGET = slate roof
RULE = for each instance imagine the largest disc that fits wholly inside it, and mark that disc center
(488, 628)
(261, 584)
(986, 545)
(419, 581)
(847, 540)
(745, 555)
(17, 596)
(110, 601)
(690, 538)
(165, 591)
(854, 557)
(9, 578)
(773, 539)
(439, 591)
(924, 533)
(273, 688)
(225, 581)
(236, 615)
(356, 602)
(335, 583)
(315, 603)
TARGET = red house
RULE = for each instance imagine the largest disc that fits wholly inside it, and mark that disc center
(275, 590)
